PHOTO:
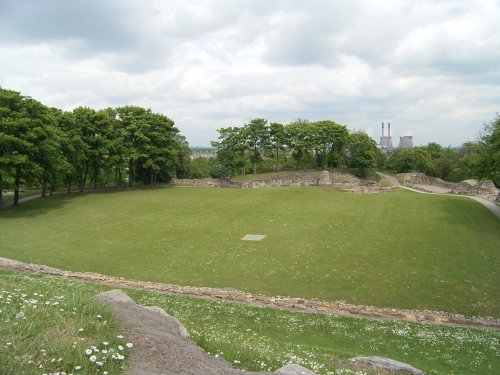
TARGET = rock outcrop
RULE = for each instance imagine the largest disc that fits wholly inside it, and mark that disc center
(161, 345)
(385, 365)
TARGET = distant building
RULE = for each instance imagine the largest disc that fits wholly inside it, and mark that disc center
(385, 144)
(207, 155)
(406, 141)
(386, 141)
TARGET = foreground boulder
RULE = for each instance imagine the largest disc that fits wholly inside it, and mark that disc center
(161, 345)
(385, 365)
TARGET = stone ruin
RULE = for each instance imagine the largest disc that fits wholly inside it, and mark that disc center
(332, 179)
(484, 189)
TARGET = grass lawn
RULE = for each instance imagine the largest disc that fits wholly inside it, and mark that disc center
(251, 338)
(403, 249)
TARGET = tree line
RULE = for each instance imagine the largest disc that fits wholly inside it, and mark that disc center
(261, 146)
(478, 159)
(50, 148)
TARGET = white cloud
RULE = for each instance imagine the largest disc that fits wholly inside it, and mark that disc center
(429, 67)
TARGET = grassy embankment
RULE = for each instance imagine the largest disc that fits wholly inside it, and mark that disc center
(251, 338)
(51, 326)
(401, 250)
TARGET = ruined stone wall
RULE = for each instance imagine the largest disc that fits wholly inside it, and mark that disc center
(422, 179)
(209, 182)
(469, 187)
(315, 178)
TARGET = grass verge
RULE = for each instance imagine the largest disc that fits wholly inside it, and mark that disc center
(50, 326)
(251, 338)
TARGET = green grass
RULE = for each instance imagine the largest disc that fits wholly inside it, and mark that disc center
(255, 338)
(252, 338)
(46, 325)
(403, 249)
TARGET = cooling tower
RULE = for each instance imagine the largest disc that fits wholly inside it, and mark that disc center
(406, 141)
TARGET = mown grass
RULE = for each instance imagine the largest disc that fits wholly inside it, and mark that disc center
(251, 338)
(403, 249)
(47, 325)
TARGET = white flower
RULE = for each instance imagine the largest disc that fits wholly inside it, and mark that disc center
(120, 347)
(99, 363)
(93, 358)
(88, 351)
(105, 343)
(119, 337)
(78, 368)
(129, 345)
(80, 329)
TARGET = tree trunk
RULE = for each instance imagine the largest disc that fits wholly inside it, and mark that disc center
(116, 177)
(69, 186)
(44, 190)
(244, 163)
(130, 173)
(151, 178)
(17, 181)
(277, 159)
(94, 177)
(85, 174)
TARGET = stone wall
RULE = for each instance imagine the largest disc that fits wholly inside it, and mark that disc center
(314, 178)
(208, 182)
(412, 179)
(483, 188)
(469, 187)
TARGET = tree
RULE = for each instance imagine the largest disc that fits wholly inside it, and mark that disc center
(362, 152)
(277, 140)
(256, 134)
(299, 140)
(490, 159)
(329, 139)
(231, 148)
(27, 149)
(199, 168)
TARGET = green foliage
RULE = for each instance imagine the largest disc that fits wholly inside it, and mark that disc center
(319, 144)
(370, 249)
(199, 168)
(479, 160)
(47, 147)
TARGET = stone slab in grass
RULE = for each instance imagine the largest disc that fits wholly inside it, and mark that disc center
(253, 237)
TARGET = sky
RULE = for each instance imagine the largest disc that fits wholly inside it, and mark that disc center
(430, 68)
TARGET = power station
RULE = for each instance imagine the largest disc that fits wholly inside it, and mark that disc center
(385, 143)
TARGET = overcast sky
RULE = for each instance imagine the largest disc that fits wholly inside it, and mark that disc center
(430, 68)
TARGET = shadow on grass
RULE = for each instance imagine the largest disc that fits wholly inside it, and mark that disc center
(36, 207)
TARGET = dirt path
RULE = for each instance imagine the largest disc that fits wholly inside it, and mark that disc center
(278, 302)
(438, 190)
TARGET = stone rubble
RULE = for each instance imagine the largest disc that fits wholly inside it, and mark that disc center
(281, 302)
